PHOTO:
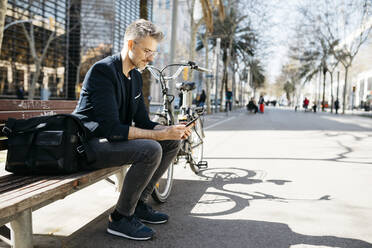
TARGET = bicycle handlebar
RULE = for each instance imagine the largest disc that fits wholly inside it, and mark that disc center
(158, 74)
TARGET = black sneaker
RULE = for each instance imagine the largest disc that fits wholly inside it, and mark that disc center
(130, 229)
(146, 214)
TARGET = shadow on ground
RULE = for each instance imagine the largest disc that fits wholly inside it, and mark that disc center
(188, 229)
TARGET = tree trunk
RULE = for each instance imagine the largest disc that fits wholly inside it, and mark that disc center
(31, 91)
(207, 82)
(224, 78)
(146, 79)
(194, 30)
(233, 89)
(3, 8)
(332, 98)
(345, 89)
(324, 83)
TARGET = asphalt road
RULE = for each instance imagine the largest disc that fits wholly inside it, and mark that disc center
(281, 179)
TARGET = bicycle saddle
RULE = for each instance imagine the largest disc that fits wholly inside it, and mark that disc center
(186, 86)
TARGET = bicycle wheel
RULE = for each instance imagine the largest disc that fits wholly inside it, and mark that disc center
(196, 149)
(163, 188)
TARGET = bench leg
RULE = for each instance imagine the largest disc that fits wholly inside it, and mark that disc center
(120, 176)
(21, 230)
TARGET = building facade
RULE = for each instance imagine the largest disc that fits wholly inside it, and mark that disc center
(81, 32)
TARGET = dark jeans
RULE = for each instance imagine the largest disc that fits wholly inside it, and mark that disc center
(149, 159)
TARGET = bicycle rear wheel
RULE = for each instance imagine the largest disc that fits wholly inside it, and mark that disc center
(163, 188)
(196, 149)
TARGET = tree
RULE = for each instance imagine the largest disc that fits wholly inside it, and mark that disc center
(344, 26)
(3, 8)
(237, 41)
(290, 79)
(314, 59)
(37, 43)
(257, 74)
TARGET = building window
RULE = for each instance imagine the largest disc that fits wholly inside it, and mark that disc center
(167, 4)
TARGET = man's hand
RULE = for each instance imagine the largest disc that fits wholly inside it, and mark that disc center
(160, 132)
(175, 132)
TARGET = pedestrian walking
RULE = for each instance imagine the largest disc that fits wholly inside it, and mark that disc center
(306, 103)
(337, 106)
(202, 98)
(261, 103)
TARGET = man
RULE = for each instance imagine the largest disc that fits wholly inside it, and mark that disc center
(112, 97)
(261, 103)
(306, 103)
(251, 106)
(337, 105)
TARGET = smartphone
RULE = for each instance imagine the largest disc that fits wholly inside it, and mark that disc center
(192, 121)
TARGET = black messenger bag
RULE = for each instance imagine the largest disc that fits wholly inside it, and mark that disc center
(53, 145)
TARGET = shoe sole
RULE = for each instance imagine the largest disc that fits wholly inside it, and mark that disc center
(153, 222)
(126, 236)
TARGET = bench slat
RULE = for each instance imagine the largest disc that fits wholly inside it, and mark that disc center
(3, 144)
(22, 105)
(21, 187)
(4, 115)
(57, 190)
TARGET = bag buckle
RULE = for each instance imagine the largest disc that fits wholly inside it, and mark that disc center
(6, 130)
(80, 149)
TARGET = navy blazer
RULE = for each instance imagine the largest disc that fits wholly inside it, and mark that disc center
(104, 100)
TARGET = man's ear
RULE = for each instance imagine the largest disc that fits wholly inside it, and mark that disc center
(130, 44)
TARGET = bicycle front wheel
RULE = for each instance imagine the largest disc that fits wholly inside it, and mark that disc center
(196, 149)
(163, 188)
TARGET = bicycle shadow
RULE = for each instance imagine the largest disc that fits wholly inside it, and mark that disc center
(190, 228)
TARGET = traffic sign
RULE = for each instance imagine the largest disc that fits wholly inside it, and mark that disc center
(209, 75)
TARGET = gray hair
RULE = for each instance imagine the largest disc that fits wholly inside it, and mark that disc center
(142, 28)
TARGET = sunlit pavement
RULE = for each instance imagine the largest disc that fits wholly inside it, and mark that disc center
(281, 179)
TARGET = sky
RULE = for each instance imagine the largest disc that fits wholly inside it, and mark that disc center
(283, 14)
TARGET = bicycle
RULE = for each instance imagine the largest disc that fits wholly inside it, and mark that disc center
(191, 148)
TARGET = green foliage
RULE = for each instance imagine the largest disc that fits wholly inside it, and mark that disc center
(257, 72)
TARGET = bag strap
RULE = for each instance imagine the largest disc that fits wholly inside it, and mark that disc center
(83, 136)
(14, 126)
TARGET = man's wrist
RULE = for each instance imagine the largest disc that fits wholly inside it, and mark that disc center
(160, 127)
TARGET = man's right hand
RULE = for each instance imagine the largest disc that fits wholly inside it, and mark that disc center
(175, 132)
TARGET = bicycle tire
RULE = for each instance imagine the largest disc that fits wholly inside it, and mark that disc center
(197, 148)
(163, 188)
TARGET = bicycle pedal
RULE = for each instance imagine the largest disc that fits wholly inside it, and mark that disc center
(202, 165)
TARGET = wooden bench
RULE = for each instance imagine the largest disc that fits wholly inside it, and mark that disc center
(21, 195)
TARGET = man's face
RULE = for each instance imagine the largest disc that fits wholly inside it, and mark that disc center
(142, 51)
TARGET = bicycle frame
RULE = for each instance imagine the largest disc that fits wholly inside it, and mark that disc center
(186, 109)
(162, 190)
